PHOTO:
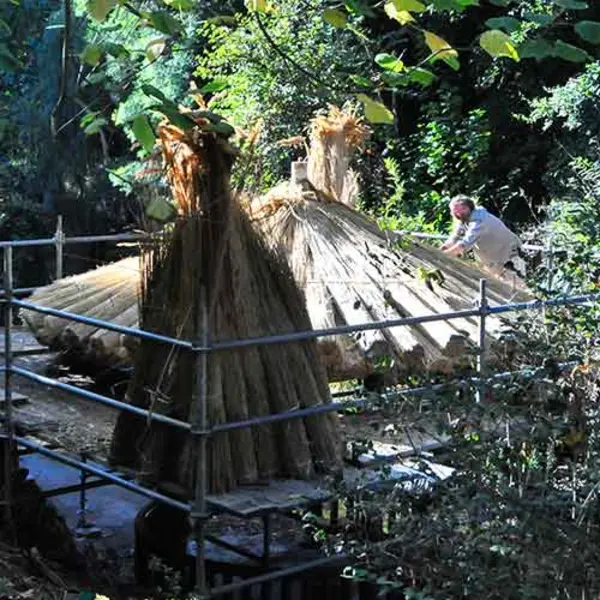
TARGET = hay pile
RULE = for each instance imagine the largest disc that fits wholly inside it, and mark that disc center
(352, 273)
(213, 255)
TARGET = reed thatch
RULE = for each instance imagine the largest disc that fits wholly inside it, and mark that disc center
(214, 258)
(352, 272)
(108, 293)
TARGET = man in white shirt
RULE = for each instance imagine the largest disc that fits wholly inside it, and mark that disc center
(495, 245)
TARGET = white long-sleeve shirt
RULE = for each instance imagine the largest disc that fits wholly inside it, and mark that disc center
(494, 243)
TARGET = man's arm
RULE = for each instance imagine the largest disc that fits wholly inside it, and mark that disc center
(458, 232)
(456, 247)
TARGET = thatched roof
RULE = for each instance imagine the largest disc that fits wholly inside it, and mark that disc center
(214, 261)
(349, 269)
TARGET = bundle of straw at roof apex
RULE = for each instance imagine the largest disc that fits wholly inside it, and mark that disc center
(352, 272)
(214, 256)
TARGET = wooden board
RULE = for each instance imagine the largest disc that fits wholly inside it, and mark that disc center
(284, 494)
(17, 398)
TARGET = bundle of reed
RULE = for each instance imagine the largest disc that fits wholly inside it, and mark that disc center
(109, 293)
(352, 272)
(214, 261)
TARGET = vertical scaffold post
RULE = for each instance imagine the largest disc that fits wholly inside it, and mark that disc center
(8, 359)
(199, 431)
(481, 365)
(59, 245)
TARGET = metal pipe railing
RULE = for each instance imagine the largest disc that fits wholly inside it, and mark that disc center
(111, 402)
(88, 468)
(200, 428)
(100, 324)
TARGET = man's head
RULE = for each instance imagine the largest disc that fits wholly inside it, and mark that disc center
(461, 207)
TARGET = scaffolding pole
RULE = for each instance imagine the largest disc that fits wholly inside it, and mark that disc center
(8, 359)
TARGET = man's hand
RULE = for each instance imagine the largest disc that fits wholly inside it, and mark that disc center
(454, 249)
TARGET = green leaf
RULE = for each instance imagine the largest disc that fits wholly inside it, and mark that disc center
(509, 24)
(216, 85)
(360, 80)
(180, 4)
(224, 129)
(375, 112)
(99, 9)
(150, 90)
(421, 76)
(15, 2)
(402, 16)
(143, 132)
(176, 118)
(259, 6)
(538, 49)
(116, 50)
(589, 31)
(570, 52)
(571, 4)
(497, 43)
(8, 61)
(95, 126)
(155, 48)
(441, 50)
(164, 22)
(91, 55)
(540, 19)
(359, 8)
(408, 5)
(389, 62)
(335, 18)
(160, 209)
(5, 26)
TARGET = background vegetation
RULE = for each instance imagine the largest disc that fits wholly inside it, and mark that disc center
(496, 98)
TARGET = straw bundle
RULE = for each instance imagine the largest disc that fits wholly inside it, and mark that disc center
(351, 273)
(109, 293)
(214, 259)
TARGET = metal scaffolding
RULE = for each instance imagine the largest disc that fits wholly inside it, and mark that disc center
(199, 428)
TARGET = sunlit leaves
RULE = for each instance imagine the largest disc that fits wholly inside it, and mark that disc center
(91, 55)
(180, 4)
(259, 6)
(402, 16)
(375, 112)
(99, 9)
(155, 48)
(216, 85)
(441, 50)
(589, 31)
(408, 5)
(93, 123)
(335, 18)
(497, 43)
(143, 132)
(389, 62)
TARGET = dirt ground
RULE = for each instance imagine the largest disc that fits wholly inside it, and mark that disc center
(73, 423)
